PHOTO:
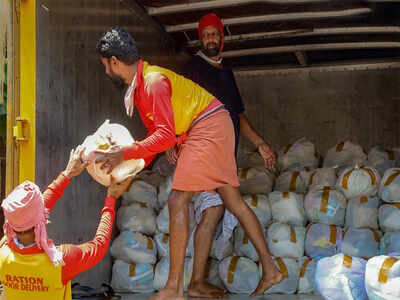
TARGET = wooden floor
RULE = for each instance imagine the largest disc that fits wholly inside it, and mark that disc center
(235, 297)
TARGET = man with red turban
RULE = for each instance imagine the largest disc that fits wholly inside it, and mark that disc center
(31, 266)
(206, 69)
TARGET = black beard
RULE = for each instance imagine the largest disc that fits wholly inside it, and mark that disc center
(211, 52)
(118, 82)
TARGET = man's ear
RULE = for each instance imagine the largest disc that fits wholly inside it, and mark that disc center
(114, 61)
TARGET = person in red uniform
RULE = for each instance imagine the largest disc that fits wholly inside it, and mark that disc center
(175, 110)
(31, 266)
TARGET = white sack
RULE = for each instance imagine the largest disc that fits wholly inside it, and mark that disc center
(389, 189)
(164, 191)
(325, 205)
(134, 247)
(390, 243)
(323, 240)
(322, 177)
(212, 274)
(106, 136)
(162, 243)
(341, 277)
(162, 219)
(361, 242)
(357, 182)
(256, 180)
(259, 204)
(382, 278)
(307, 276)
(248, 159)
(285, 240)
(290, 270)
(292, 181)
(242, 244)
(221, 247)
(382, 159)
(287, 208)
(345, 154)
(300, 154)
(132, 278)
(137, 217)
(389, 217)
(142, 192)
(162, 270)
(239, 274)
(362, 212)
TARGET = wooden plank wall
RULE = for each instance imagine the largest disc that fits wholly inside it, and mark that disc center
(74, 97)
(325, 107)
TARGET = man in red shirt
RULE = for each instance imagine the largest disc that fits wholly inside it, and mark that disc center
(175, 110)
(31, 266)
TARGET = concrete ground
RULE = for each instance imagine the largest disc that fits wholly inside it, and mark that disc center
(234, 297)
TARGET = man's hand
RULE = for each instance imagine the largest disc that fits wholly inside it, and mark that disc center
(115, 190)
(268, 155)
(75, 164)
(110, 158)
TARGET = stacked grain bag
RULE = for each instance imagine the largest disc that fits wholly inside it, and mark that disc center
(360, 186)
(382, 159)
(307, 213)
(134, 250)
(325, 206)
(286, 235)
(382, 278)
(389, 212)
(345, 154)
(300, 154)
(256, 180)
(341, 277)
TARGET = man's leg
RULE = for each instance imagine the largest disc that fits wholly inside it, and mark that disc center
(238, 207)
(203, 238)
(178, 207)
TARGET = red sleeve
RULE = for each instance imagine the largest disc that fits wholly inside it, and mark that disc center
(55, 191)
(79, 258)
(161, 136)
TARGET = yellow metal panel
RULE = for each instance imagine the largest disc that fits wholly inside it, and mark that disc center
(28, 86)
(12, 154)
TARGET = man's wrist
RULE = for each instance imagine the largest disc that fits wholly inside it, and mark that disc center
(258, 145)
(67, 174)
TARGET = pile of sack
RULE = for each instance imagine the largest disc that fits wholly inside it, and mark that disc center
(322, 218)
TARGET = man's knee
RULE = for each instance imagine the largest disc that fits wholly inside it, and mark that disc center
(212, 214)
(178, 199)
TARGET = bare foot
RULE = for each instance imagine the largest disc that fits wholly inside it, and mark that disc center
(266, 282)
(205, 290)
(167, 294)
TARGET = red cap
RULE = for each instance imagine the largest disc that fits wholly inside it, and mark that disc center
(212, 20)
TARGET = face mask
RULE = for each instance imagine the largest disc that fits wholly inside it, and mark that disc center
(211, 49)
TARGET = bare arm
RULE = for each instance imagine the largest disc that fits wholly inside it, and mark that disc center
(247, 130)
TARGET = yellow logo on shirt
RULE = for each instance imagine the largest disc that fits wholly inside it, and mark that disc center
(150, 116)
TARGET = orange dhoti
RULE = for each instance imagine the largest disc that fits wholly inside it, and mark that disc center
(206, 158)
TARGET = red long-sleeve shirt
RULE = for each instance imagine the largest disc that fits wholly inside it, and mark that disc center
(168, 104)
(77, 258)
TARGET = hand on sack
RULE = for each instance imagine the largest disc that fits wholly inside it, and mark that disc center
(170, 154)
(115, 189)
(268, 155)
(110, 158)
(75, 164)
